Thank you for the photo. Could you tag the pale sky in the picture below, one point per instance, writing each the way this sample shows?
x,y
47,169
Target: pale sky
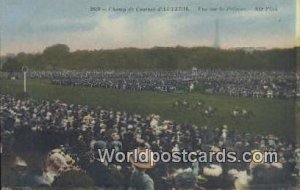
x,y
32,25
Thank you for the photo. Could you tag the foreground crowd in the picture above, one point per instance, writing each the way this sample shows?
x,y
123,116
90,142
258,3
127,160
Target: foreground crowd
x,y
46,143
234,83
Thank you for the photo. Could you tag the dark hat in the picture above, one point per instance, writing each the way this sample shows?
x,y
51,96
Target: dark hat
x,y
99,145
185,180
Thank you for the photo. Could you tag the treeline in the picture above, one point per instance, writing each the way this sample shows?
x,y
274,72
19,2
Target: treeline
x,y
158,58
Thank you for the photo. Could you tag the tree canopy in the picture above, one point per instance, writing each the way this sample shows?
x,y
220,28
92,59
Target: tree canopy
x,y
157,58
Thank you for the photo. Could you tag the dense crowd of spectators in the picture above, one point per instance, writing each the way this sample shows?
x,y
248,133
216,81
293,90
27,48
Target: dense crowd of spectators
x,y
234,83
46,140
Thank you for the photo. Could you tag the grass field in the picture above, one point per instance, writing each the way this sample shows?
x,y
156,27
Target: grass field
x,y
275,116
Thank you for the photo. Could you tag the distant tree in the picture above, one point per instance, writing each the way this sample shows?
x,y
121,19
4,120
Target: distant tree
x,y
4,58
157,58
56,56
11,65
56,50
298,59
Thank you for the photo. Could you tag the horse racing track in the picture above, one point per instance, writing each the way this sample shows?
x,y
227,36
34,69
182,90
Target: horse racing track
x,y
244,114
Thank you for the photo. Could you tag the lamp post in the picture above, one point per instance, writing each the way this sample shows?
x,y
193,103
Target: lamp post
x,y
24,69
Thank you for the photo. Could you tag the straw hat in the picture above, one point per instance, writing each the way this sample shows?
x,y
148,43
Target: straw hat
x,y
20,162
141,158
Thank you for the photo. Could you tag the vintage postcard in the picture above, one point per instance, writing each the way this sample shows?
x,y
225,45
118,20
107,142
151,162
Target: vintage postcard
x,y
144,95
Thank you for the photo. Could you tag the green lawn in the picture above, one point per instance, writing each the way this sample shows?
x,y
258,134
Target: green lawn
x,y
275,116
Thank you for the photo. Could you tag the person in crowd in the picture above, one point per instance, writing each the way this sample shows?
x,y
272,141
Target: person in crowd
x,y
100,171
71,136
139,178
270,84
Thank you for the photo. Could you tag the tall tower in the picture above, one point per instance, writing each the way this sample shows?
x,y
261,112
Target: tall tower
x,y
217,37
